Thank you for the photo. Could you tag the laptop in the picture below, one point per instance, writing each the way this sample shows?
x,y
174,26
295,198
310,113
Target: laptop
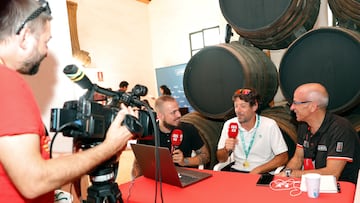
x,y
170,174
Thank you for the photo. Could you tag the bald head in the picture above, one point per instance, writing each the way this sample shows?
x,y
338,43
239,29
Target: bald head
x,y
314,92
162,100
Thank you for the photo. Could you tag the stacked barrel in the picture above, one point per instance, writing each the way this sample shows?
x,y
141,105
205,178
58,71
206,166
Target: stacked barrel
x,y
330,56
346,13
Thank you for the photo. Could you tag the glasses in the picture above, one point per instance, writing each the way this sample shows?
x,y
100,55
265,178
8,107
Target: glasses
x,y
299,102
243,91
44,8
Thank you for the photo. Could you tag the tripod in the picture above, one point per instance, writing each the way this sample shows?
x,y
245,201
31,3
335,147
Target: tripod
x,y
104,189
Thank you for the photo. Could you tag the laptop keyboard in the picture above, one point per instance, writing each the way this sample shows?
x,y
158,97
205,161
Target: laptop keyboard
x,y
185,178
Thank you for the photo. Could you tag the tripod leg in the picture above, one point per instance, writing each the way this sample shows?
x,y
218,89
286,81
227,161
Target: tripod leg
x,y
108,193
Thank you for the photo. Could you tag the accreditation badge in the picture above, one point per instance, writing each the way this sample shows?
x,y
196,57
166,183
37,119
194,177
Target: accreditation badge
x,y
339,146
306,144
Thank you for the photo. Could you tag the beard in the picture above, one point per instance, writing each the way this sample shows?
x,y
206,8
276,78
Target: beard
x,y
243,118
169,126
32,65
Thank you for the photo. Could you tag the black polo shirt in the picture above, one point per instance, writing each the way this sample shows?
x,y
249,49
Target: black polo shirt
x,y
336,139
191,139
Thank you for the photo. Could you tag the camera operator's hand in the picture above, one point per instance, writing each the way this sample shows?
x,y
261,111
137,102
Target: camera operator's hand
x,y
117,134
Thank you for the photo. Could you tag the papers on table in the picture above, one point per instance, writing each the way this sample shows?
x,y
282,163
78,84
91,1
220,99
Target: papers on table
x,y
327,184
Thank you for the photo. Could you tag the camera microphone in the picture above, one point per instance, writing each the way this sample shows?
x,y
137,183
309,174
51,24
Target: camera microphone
x,y
78,76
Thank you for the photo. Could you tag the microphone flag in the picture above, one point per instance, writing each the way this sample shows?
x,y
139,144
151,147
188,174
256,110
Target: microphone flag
x,y
176,139
233,130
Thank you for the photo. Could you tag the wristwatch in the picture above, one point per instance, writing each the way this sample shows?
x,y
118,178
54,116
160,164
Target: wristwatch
x,y
287,172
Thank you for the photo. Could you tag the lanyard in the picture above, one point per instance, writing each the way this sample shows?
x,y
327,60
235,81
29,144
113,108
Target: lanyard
x,y
247,150
307,138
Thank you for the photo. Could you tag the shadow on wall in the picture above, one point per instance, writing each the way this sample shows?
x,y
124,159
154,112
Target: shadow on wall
x,y
42,84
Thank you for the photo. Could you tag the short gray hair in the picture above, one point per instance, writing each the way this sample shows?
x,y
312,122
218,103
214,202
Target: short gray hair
x,y
319,94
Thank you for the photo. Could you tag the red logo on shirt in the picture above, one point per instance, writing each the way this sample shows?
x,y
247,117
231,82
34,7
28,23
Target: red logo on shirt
x,y
45,149
339,146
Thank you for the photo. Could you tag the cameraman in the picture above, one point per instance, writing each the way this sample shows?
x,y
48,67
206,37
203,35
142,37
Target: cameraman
x,y
168,114
26,172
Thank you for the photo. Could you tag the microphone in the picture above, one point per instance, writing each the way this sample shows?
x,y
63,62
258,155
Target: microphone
x,y
176,139
233,130
78,76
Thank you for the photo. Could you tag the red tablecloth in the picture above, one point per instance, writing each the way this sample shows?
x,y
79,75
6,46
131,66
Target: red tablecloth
x,y
225,187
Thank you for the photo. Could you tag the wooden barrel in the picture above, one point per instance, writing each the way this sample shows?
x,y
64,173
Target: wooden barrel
x,y
329,56
346,13
214,73
270,24
287,124
209,130
355,121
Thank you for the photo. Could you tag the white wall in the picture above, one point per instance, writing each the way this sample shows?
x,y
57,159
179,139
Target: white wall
x,y
117,35
172,21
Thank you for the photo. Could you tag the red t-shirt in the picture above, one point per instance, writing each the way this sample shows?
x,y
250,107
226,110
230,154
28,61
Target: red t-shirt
x,y
19,114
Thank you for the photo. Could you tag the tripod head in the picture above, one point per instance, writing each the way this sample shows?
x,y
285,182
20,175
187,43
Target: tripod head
x,y
105,172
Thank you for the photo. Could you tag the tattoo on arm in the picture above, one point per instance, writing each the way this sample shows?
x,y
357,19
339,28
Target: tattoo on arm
x,y
202,156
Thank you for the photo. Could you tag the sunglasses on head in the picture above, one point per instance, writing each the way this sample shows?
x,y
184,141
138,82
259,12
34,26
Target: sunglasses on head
x,y
43,8
243,91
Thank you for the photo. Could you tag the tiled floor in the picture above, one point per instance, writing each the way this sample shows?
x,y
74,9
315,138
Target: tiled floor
x,y
125,165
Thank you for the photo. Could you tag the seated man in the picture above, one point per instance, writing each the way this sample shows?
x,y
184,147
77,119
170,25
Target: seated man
x,y
256,141
168,115
327,143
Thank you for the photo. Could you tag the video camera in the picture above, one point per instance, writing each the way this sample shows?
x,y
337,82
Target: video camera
x,y
88,121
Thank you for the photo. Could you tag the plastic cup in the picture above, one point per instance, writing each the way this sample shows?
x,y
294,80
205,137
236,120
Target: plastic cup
x,y
308,164
313,184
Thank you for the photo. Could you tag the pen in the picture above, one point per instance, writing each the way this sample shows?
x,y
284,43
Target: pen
x,y
338,188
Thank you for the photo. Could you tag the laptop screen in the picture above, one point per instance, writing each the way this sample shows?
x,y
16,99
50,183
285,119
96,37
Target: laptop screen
x,y
146,158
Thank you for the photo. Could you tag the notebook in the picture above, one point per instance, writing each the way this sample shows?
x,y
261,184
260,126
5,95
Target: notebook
x,y
327,184
170,174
